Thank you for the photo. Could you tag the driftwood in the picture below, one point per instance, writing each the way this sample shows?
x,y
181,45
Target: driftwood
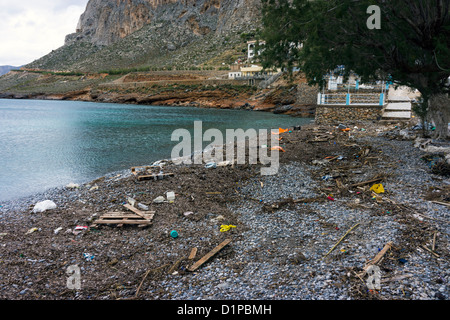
x,y
193,254
360,184
334,247
146,275
397,278
434,241
377,258
442,203
430,251
176,265
209,255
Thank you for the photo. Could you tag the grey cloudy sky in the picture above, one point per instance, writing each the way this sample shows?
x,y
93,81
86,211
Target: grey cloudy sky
x,y
29,29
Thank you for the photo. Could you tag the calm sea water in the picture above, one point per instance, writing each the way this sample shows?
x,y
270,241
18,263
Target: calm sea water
x,y
47,144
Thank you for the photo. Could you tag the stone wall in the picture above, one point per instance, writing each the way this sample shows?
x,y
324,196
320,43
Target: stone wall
x,y
334,114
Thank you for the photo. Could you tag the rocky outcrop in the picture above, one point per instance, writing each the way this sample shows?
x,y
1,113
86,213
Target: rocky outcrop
x,y
124,34
105,22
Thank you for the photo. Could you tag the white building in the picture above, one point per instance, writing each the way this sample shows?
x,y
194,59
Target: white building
x,y
251,48
234,74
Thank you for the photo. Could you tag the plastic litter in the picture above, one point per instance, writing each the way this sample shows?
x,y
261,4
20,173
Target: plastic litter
x,y
174,234
72,186
32,230
159,199
188,213
56,231
225,228
377,188
131,201
211,165
88,256
217,219
171,196
44,206
79,229
143,207
277,148
224,163
280,130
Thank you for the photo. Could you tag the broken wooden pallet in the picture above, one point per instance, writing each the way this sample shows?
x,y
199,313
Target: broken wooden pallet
x,y
134,170
148,174
121,218
136,217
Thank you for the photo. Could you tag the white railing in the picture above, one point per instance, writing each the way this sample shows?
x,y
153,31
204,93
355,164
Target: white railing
x,y
347,99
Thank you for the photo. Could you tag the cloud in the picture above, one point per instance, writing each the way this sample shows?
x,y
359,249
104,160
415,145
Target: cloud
x,y
31,29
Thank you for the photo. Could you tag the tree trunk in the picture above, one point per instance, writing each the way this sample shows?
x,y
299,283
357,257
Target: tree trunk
x,y
439,110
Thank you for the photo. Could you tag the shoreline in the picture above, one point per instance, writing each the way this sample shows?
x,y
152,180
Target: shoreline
x,y
8,203
285,225
283,97
240,105
15,203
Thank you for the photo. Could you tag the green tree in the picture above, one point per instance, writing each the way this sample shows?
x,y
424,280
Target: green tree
x,y
410,47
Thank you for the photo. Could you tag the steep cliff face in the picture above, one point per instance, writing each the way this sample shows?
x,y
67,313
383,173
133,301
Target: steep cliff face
x,y
123,34
104,22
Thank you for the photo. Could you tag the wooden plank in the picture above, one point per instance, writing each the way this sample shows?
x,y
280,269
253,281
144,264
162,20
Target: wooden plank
x,y
193,254
134,218
122,215
209,255
139,222
135,210
154,176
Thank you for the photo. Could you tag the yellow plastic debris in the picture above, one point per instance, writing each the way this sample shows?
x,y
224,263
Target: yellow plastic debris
x,y
225,228
377,188
32,230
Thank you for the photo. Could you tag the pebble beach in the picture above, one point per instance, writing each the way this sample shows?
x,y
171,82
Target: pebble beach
x,y
306,233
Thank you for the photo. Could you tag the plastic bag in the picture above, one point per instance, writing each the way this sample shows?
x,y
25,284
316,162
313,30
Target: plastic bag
x,y
44,206
377,188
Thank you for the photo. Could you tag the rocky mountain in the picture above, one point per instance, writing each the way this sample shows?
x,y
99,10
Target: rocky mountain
x,y
132,33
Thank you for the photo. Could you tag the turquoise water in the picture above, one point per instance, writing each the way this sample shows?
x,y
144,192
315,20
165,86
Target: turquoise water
x,y
47,144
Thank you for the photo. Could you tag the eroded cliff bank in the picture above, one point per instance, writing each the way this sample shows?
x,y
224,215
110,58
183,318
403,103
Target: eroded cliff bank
x,y
171,88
